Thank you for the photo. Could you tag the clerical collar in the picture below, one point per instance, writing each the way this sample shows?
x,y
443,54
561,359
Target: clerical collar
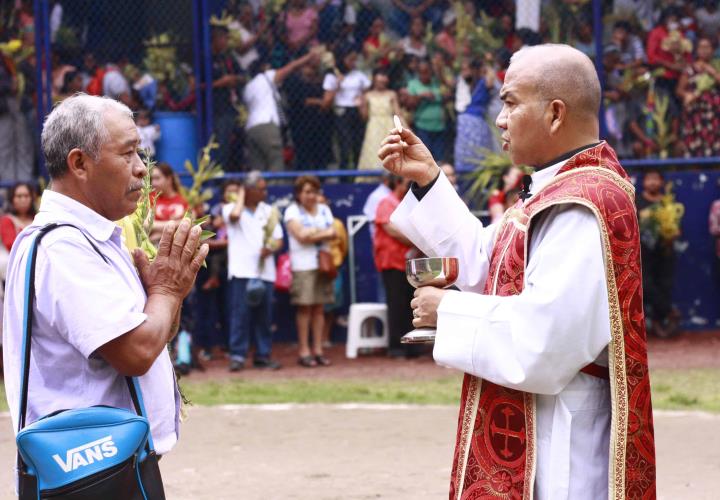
x,y
545,172
542,178
566,156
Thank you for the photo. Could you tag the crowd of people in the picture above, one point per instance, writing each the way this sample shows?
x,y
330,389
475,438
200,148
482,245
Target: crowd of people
x,y
258,253
313,84
230,313
662,92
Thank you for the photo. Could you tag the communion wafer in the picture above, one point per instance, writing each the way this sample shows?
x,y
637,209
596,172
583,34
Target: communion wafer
x,y
398,123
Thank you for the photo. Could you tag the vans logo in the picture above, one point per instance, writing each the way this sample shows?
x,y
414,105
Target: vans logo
x,y
87,454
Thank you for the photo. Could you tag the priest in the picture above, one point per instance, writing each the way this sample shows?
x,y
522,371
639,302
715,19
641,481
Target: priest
x,y
548,326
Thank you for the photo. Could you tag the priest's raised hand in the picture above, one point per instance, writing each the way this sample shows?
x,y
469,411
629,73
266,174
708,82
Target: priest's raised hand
x,y
404,154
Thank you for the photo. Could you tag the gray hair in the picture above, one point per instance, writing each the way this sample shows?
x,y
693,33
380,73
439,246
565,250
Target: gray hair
x,y
77,122
253,178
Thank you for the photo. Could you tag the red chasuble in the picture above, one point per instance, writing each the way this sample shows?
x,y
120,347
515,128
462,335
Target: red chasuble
x,y
495,451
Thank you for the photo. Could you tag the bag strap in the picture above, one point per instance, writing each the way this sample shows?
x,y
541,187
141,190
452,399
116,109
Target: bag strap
x,y
132,382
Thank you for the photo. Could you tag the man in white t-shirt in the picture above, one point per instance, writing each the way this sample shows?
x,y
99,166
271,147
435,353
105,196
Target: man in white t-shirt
x,y
254,234
263,139
246,52
374,199
115,85
370,210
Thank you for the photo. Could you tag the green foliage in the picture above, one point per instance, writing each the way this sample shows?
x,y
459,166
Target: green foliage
x,y
161,61
207,169
486,177
67,38
275,6
477,37
703,83
632,81
143,217
160,57
562,18
661,221
197,194
553,19
659,113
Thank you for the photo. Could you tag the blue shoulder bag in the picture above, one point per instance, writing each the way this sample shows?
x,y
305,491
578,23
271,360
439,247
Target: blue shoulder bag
x,y
99,452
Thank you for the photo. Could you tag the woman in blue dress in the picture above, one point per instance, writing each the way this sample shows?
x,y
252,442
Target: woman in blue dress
x,y
473,130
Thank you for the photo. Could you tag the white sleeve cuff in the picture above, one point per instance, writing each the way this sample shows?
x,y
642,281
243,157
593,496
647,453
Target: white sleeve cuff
x,y
457,330
433,220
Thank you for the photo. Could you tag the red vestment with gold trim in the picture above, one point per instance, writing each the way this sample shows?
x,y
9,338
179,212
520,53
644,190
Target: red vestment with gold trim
x,y
495,450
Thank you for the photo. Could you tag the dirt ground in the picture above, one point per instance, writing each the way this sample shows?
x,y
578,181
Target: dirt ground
x,y
353,452
325,452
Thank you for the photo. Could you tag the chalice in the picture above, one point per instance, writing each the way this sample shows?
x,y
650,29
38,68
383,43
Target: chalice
x,y
440,272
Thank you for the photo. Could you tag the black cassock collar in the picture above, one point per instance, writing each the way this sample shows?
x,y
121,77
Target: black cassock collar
x,y
527,179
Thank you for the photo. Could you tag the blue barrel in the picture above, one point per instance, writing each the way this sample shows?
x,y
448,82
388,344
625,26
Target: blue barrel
x,y
178,139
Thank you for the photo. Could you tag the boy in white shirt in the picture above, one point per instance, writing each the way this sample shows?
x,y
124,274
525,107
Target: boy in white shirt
x,y
149,132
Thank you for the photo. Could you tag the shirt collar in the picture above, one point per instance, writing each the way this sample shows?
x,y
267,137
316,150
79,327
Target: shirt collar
x,y
544,173
566,156
541,178
57,207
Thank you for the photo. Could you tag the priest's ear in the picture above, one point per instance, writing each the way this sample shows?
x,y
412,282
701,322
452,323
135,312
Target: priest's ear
x,y
558,115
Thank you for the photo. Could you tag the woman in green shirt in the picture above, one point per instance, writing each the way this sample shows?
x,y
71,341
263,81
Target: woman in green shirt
x,y
424,96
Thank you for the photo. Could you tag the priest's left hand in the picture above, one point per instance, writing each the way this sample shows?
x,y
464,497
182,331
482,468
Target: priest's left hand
x,y
425,305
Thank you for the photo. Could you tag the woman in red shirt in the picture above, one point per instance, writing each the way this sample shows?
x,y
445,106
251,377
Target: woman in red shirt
x,y
391,250
20,214
169,203
498,201
376,48
669,57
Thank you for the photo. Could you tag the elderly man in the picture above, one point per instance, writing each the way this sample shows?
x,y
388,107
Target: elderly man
x,y
549,325
97,317
254,234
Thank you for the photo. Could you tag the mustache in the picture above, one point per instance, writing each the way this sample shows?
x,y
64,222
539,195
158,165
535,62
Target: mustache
x,y
135,187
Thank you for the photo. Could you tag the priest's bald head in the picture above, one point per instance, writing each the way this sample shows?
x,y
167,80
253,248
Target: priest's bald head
x,y
551,97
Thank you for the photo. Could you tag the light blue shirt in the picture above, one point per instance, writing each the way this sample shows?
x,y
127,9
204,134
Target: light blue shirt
x,y
81,303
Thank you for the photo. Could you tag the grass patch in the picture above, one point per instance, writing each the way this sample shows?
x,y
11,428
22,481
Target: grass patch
x,y
696,389
442,391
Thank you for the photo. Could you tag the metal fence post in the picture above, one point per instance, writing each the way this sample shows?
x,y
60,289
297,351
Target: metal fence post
x,y
198,71
207,66
48,54
598,32
43,83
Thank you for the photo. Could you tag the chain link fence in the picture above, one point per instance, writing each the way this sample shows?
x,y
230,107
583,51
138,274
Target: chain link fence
x,y
296,85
